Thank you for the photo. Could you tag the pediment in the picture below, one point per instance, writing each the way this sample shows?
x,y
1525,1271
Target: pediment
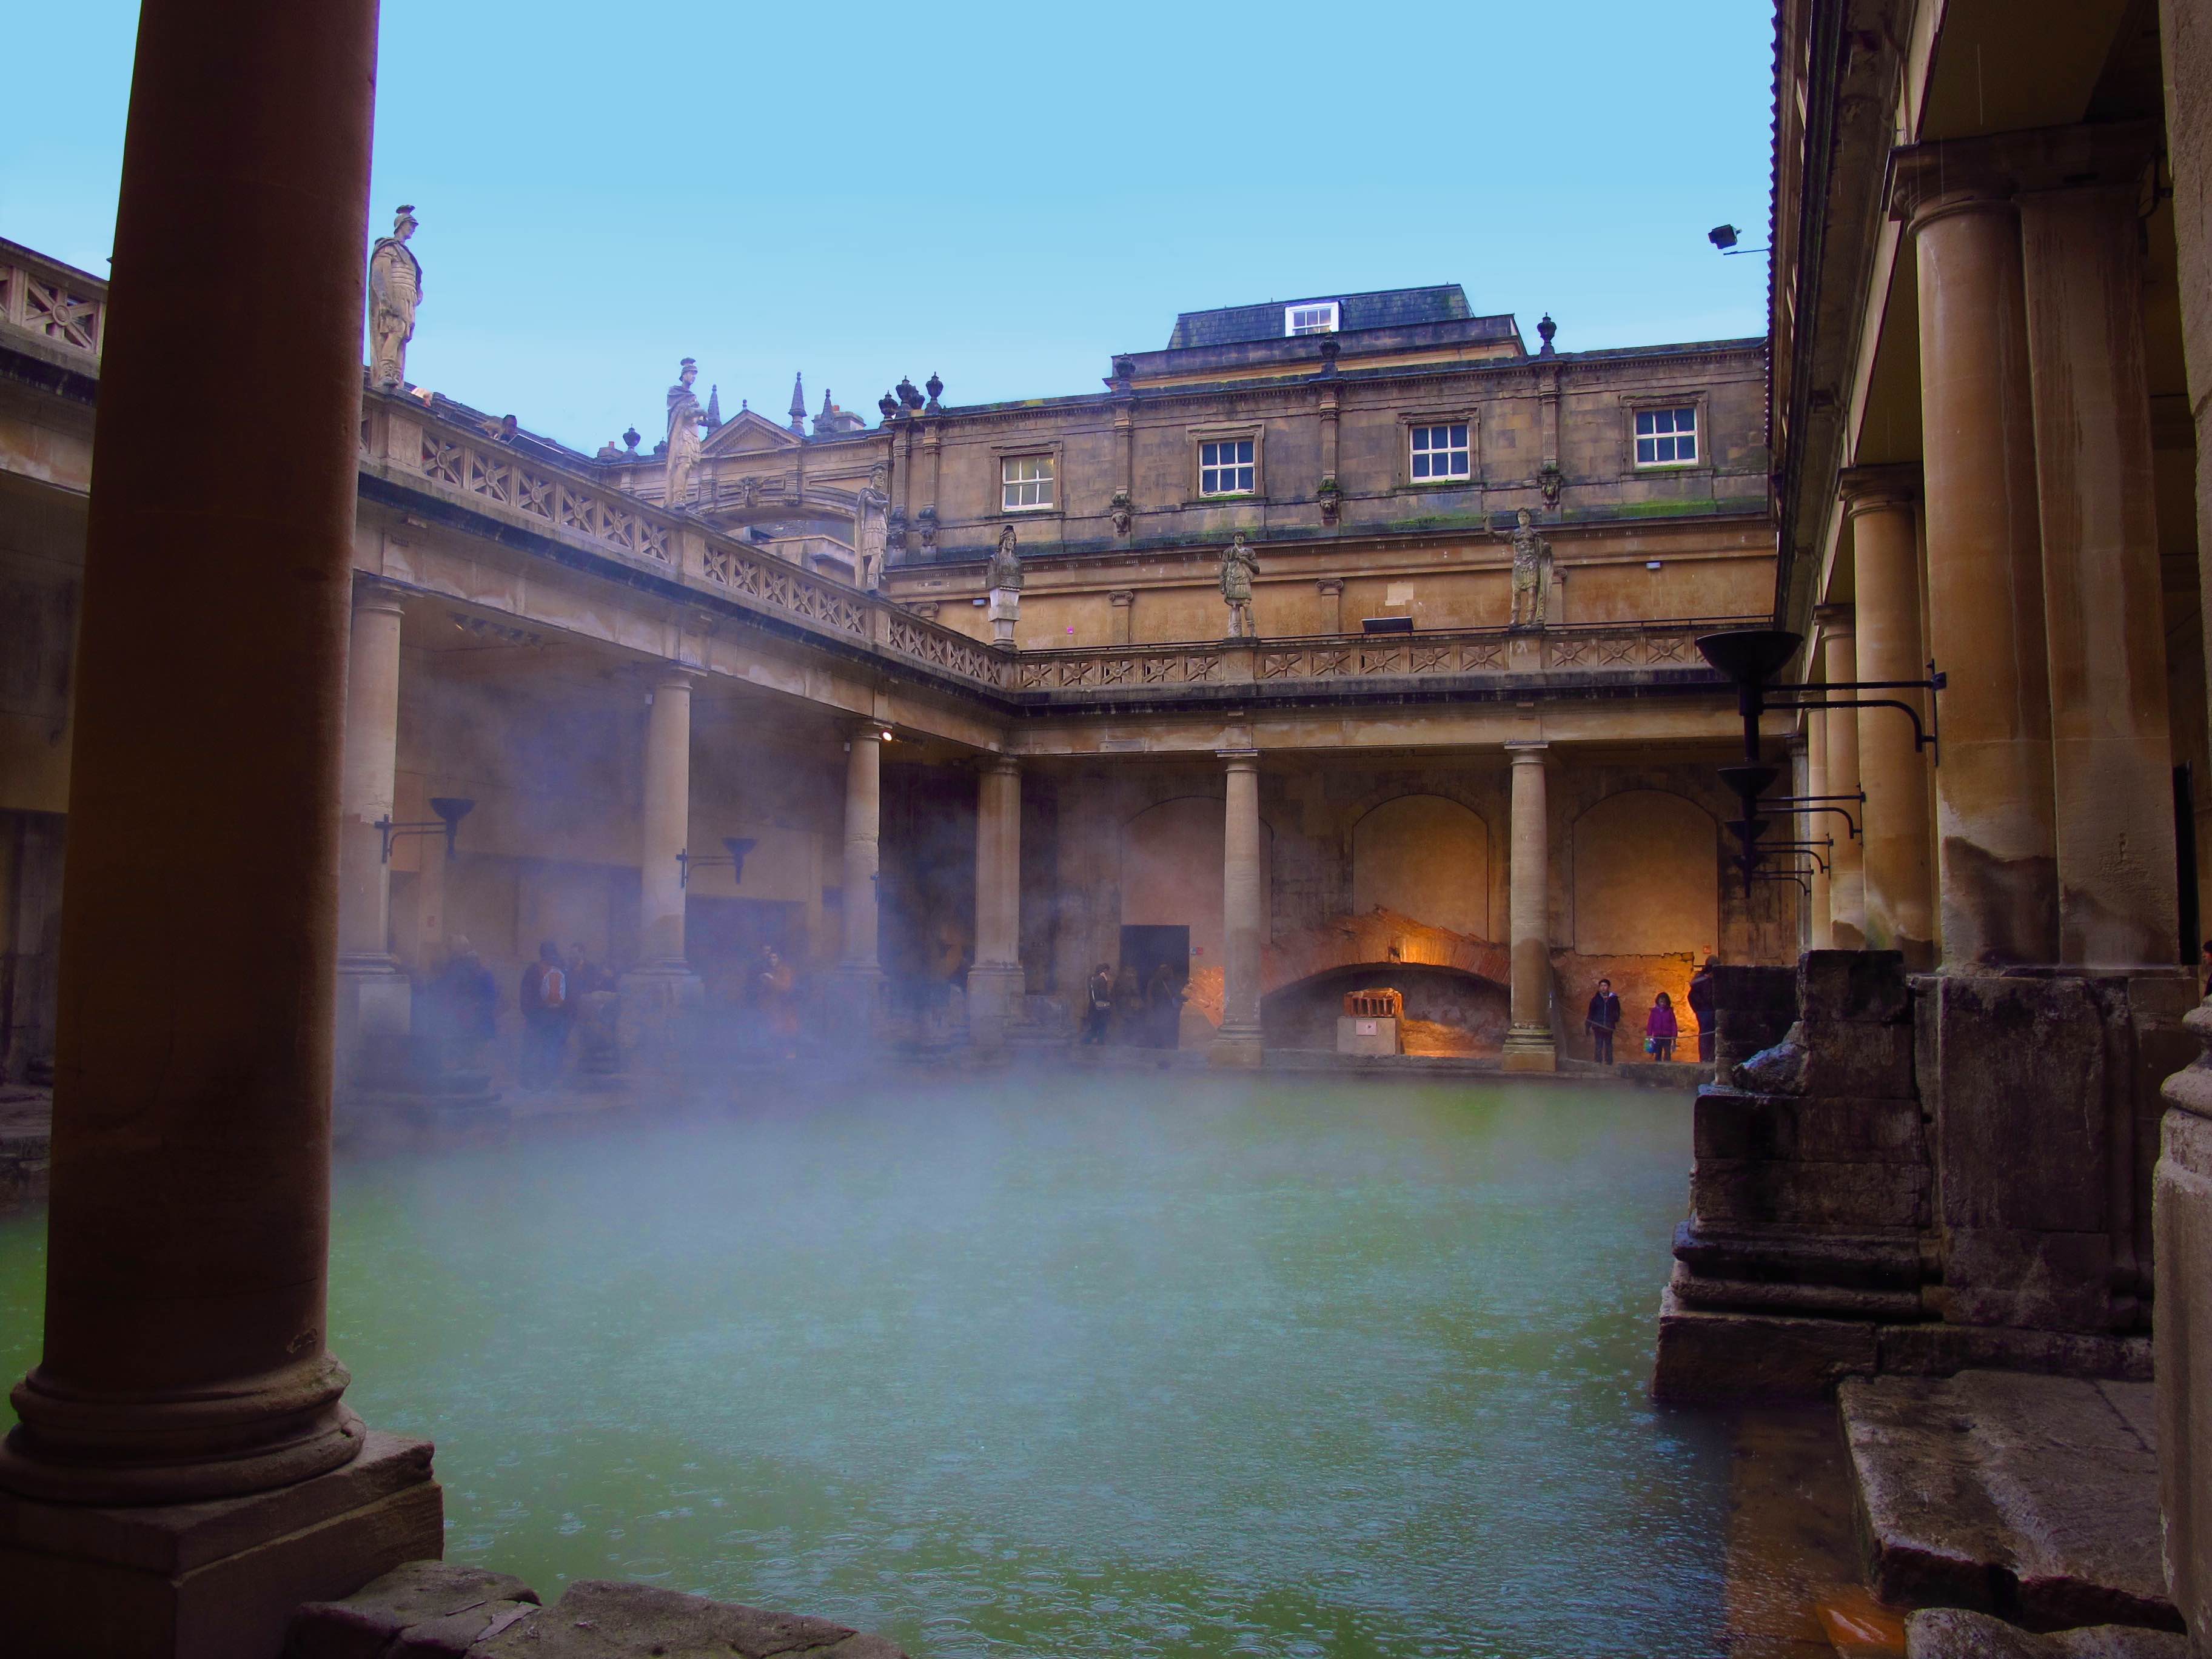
x,y
747,433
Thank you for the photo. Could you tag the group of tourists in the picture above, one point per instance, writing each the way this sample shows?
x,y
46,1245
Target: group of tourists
x,y
1140,1012
1662,1026
552,990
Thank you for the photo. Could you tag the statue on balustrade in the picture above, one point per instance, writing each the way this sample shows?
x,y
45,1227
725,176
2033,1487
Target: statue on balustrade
x,y
686,421
1004,575
871,530
395,288
1240,565
1531,573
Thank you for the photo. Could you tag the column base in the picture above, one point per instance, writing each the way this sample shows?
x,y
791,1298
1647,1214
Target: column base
x,y
659,1004
217,1580
1530,1049
1237,1046
994,998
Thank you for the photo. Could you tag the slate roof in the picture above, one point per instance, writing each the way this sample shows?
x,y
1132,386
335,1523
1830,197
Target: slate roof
x,y
1389,307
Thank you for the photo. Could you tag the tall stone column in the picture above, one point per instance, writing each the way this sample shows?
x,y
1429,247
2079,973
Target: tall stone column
x,y
864,751
184,1372
1846,882
2112,753
1996,852
1822,929
662,991
1530,1045
995,982
2182,1206
1899,876
372,995
1244,915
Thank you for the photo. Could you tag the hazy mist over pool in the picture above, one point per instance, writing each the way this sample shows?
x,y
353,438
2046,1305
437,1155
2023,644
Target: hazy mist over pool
x,y
1125,1364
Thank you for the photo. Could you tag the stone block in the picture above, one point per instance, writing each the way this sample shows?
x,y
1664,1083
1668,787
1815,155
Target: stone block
x,y
1956,1633
1747,989
1856,987
1850,1057
1890,1263
1791,1298
2182,1208
1711,1356
1847,1197
2034,1497
1735,1124
218,1580
1941,1350
2044,1280
598,1619
419,1610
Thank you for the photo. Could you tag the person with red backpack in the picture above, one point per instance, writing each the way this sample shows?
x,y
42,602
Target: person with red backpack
x,y
545,1010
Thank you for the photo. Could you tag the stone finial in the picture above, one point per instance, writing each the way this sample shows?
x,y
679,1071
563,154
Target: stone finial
x,y
798,404
713,407
935,386
890,405
909,394
1545,330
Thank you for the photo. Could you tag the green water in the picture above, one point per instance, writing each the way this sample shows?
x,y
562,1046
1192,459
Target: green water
x,y
1124,1365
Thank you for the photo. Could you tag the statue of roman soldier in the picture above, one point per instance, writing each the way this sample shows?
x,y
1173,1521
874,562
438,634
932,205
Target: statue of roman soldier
x,y
685,421
395,288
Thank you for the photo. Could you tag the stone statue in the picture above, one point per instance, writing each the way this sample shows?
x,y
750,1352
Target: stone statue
x,y
685,421
1004,579
1239,565
1006,572
395,288
875,502
1531,573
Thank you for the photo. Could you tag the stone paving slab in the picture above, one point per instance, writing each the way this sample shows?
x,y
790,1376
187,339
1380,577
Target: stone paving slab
x,y
1952,1633
2031,1497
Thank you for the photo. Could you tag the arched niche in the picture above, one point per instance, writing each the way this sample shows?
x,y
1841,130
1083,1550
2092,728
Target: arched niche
x,y
1425,857
1647,876
1171,871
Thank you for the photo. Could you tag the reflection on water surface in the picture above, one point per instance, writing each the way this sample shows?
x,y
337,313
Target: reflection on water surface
x,y
1064,1365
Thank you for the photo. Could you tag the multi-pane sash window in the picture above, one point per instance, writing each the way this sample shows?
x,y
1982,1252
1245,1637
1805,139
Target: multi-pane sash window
x,y
1025,483
1226,468
1440,451
1310,319
1666,437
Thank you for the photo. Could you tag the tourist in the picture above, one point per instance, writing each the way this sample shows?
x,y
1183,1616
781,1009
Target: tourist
x,y
1128,1005
1701,1006
1099,1004
774,988
546,1006
585,975
1162,1007
1603,1019
1660,1030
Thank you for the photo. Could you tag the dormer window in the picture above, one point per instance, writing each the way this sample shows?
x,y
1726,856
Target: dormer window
x,y
1317,317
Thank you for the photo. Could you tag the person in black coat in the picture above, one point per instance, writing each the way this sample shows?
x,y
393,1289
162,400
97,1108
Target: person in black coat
x,y
1603,1016
1701,1006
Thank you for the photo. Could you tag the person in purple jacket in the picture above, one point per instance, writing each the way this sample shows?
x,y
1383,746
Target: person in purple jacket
x,y
1660,1030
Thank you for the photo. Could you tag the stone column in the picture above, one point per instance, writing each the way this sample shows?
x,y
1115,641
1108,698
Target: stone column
x,y
1529,1043
1846,883
1822,928
1244,915
2112,753
1900,883
661,992
1331,589
995,983
184,1372
1123,599
1996,852
2182,1206
864,749
372,995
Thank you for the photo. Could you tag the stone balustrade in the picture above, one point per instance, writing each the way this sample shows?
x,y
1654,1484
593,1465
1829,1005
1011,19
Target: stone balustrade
x,y
51,302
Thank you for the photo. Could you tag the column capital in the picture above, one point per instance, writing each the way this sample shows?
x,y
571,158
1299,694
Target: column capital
x,y
1004,766
1239,760
1952,175
1833,618
375,593
866,732
672,676
1330,586
1874,489
1122,597
1528,751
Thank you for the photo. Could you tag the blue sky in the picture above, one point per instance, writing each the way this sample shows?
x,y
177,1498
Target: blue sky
x,y
1005,195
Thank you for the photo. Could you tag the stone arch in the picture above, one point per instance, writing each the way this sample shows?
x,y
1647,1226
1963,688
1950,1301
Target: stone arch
x,y
1171,855
1425,856
1449,1010
1646,876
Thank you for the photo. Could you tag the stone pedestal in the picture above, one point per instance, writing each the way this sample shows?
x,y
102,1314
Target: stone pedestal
x,y
215,1580
995,983
1529,1043
1243,915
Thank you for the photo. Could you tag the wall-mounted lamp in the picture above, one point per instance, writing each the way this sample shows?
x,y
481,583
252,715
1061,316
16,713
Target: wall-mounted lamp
x,y
450,809
738,846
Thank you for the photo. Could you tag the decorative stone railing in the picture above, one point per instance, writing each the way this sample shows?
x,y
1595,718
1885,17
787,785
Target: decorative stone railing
x,y
426,446
51,302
